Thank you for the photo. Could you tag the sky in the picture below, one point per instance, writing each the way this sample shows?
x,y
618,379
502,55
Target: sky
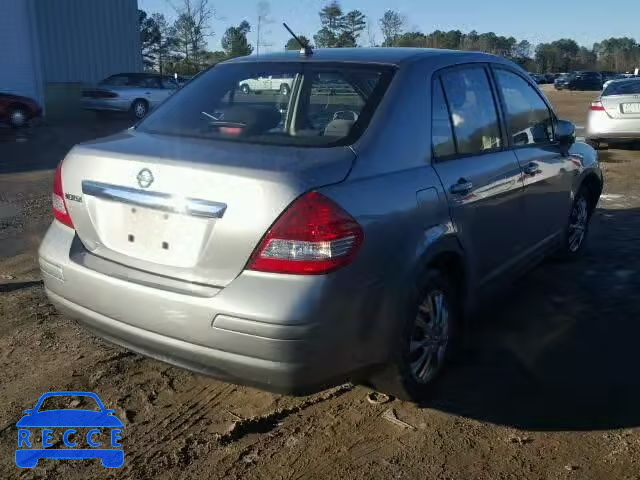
x,y
539,21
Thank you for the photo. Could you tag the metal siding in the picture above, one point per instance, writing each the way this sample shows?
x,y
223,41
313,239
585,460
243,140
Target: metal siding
x,y
17,51
87,40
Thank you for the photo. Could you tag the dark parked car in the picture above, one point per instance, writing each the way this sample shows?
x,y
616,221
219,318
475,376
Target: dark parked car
x,y
17,110
579,81
538,78
294,248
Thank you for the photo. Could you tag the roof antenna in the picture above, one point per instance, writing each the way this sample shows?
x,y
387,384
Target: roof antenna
x,y
305,48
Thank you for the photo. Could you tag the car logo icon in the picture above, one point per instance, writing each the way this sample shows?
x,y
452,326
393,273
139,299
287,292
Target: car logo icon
x,y
38,428
145,178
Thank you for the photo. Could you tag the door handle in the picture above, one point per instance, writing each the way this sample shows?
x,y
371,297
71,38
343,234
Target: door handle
x,y
462,187
532,168
147,93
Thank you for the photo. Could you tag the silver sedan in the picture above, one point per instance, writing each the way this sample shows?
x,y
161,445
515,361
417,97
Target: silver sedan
x,y
134,92
297,241
615,116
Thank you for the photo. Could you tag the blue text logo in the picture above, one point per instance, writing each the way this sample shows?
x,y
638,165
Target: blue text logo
x,y
85,430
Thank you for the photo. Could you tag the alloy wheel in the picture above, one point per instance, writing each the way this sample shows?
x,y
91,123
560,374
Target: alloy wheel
x,y
140,110
18,118
429,338
578,222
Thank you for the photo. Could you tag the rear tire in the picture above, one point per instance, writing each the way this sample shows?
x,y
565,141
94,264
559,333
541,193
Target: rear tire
x,y
245,89
18,117
575,237
139,108
425,342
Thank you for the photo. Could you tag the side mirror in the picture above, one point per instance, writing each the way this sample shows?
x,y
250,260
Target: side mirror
x,y
29,411
109,411
565,133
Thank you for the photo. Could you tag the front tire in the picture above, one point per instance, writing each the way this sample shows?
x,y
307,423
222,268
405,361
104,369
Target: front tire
x,y
426,340
578,225
245,89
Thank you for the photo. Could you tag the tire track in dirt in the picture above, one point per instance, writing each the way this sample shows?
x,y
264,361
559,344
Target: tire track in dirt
x,y
156,435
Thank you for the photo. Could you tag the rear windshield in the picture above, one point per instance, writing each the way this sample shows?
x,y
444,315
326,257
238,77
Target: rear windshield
x,y
623,88
302,104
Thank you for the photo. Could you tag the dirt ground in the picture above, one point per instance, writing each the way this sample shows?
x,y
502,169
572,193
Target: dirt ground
x,y
548,390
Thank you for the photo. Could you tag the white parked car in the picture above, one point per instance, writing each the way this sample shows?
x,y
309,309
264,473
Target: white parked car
x,y
272,83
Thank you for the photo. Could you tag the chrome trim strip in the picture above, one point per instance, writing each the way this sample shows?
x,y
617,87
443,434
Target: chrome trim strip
x,y
154,200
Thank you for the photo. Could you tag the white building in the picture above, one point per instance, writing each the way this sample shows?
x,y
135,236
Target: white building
x,y
46,43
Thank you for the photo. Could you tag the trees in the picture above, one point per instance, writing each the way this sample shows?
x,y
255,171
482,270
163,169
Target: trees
x,y
411,39
182,46
338,29
192,28
618,54
391,25
235,43
293,44
149,38
331,21
353,24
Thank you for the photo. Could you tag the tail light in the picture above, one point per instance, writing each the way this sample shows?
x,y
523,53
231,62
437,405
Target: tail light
x,y
596,106
57,199
313,236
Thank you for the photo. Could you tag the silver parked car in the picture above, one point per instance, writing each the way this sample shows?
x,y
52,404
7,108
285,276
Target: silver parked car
x,y
293,242
134,92
615,116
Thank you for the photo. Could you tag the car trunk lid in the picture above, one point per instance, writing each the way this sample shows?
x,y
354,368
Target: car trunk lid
x,y
622,106
190,209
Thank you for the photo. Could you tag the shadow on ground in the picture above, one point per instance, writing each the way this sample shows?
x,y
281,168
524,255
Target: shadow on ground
x,y
15,286
559,351
42,146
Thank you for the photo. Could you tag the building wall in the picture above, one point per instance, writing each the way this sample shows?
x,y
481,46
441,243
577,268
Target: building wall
x,y
19,66
84,41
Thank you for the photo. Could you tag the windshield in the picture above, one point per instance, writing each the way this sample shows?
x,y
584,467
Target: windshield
x,y
303,104
76,402
623,88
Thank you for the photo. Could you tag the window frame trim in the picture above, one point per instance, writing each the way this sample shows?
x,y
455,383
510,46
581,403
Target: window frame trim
x,y
437,76
503,106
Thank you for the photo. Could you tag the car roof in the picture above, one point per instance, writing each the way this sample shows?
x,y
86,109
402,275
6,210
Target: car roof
x,y
625,80
391,56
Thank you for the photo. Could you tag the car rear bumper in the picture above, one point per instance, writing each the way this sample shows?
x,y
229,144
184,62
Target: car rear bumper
x,y
600,126
277,332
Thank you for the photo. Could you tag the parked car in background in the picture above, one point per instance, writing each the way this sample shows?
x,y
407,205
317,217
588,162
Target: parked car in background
x,y
17,110
579,81
296,248
267,83
611,78
129,92
615,116
582,81
538,78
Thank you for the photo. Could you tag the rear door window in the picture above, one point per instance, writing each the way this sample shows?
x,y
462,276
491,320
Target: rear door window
x,y
528,117
473,110
116,81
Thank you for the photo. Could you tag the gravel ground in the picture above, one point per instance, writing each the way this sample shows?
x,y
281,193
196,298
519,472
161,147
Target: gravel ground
x,y
549,388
